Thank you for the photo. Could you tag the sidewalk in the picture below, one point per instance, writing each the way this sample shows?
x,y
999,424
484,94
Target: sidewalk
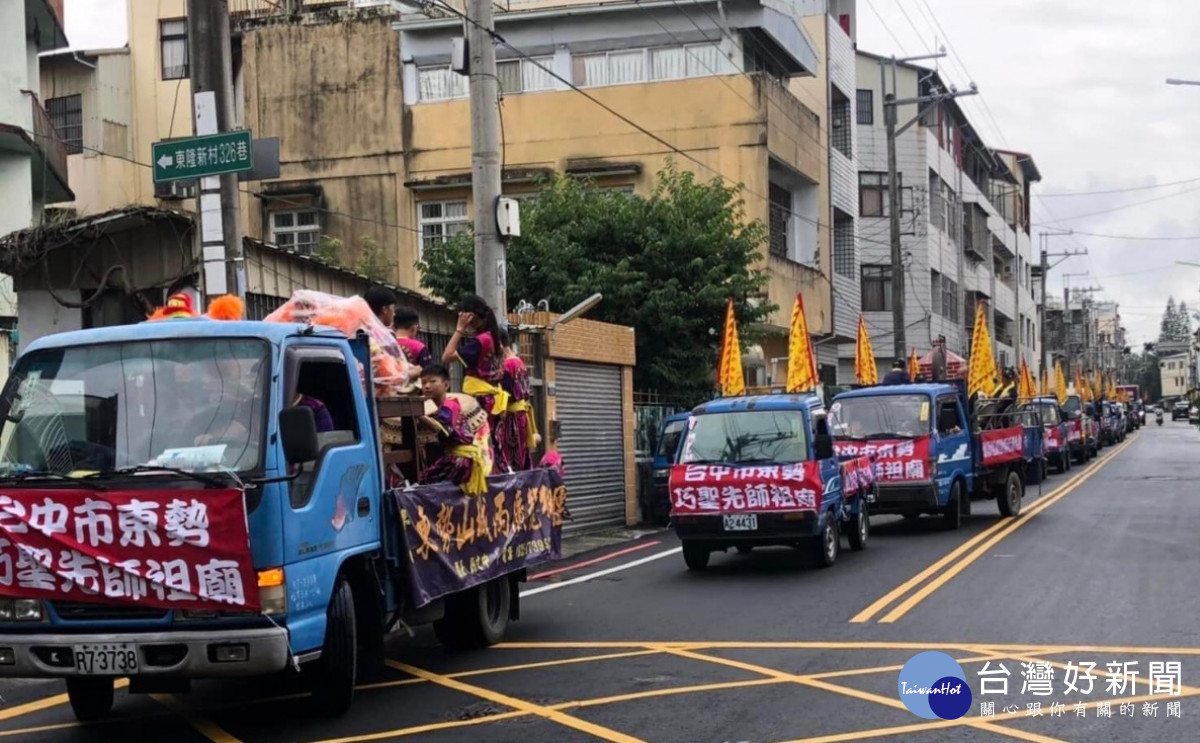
x,y
575,545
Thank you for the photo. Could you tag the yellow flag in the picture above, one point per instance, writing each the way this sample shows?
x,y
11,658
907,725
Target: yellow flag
x,y
1098,387
1060,384
730,380
1047,388
982,375
1081,386
802,361
914,366
864,356
1026,389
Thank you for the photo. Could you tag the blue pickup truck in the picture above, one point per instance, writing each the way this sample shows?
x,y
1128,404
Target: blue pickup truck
x,y
760,470
932,455
339,559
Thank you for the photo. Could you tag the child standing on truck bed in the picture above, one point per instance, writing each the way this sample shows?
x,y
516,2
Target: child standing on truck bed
x,y
516,433
462,453
475,345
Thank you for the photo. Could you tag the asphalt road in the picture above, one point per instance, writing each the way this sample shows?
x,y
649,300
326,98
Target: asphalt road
x,y
627,645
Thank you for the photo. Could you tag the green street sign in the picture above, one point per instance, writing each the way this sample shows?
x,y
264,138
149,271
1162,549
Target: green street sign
x,y
187,159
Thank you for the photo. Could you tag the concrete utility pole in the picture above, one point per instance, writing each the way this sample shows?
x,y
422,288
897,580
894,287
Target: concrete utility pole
x,y
490,262
1045,266
211,66
890,107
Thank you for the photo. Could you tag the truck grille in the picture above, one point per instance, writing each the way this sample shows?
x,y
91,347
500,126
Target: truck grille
x,y
72,611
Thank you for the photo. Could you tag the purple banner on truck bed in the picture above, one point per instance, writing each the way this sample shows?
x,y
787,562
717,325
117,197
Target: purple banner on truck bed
x,y
456,541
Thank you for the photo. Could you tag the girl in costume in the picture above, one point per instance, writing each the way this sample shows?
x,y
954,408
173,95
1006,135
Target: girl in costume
x,y
417,354
516,433
475,346
462,452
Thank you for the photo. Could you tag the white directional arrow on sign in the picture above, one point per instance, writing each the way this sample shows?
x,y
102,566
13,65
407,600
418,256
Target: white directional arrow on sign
x,y
166,161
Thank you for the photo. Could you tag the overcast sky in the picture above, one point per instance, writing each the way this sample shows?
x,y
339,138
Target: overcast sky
x,y
1079,84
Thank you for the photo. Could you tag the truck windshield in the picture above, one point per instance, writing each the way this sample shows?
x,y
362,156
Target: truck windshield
x,y
1073,405
880,417
669,443
775,436
1047,412
194,404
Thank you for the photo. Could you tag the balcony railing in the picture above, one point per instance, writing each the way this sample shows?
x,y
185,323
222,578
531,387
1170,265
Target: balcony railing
x,y
264,8
46,139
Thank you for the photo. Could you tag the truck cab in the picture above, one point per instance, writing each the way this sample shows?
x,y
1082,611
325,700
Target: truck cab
x,y
1083,439
184,408
1056,432
666,447
761,470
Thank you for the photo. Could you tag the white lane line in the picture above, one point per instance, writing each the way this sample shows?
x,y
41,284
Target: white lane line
x,y
602,573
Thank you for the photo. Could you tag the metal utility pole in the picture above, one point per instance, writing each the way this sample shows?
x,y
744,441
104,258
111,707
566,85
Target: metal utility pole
x,y
890,116
1045,271
211,66
490,265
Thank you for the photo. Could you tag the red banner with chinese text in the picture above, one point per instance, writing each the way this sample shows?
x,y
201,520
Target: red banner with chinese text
x,y
1052,439
858,474
1003,445
710,488
895,460
175,549
1075,430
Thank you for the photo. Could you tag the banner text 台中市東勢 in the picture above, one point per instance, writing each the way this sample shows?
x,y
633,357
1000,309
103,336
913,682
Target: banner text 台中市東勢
x,y
167,549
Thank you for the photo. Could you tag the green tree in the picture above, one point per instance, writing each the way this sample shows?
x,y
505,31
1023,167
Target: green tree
x,y
665,263
372,261
329,249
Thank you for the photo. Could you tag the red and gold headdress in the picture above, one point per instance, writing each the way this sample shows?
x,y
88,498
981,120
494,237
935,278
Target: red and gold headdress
x,y
179,306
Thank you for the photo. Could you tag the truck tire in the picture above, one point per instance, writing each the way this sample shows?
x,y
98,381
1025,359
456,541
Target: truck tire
x,y
333,675
952,513
477,617
862,529
745,549
825,550
91,698
1010,500
695,555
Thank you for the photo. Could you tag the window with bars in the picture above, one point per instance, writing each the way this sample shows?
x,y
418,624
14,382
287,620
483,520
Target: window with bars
x,y
780,212
525,75
843,245
298,230
876,288
441,220
866,106
949,301
937,202
935,292
66,114
873,193
841,134
173,49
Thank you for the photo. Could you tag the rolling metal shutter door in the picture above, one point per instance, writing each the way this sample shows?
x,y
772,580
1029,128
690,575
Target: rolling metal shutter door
x,y
591,443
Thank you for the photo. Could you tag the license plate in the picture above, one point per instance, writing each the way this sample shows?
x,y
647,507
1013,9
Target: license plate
x,y
106,658
741,522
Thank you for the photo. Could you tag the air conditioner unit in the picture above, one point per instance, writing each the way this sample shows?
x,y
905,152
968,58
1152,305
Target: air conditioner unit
x,y
174,190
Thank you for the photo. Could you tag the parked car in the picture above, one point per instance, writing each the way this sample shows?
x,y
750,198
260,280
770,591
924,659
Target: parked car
x,y
1179,411
665,447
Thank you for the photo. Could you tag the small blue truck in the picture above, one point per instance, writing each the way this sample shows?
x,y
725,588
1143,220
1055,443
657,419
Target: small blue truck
x,y
932,455
760,470
666,446
337,556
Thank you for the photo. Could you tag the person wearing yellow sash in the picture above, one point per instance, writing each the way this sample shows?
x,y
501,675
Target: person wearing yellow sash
x,y
462,450
475,345
517,435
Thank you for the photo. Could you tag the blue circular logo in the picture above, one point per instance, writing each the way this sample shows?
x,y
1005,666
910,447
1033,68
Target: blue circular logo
x,y
933,686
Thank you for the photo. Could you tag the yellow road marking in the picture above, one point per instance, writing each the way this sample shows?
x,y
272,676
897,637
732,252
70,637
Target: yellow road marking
x,y
551,663
199,723
1011,525
561,718
431,727
1042,503
41,704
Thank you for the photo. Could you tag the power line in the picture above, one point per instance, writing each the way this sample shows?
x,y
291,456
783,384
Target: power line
x,y
1124,206
887,28
1116,190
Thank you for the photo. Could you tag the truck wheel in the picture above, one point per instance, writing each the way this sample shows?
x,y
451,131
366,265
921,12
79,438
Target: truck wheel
x,y
1010,500
952,514
696,554
333,675
91,698
827,546
862,529
477,617
745,549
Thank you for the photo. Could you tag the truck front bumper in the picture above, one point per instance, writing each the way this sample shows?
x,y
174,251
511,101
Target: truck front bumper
x,y
907,498
773,529
189,654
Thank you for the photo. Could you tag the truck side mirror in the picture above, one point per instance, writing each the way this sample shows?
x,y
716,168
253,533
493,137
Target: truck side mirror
x,y
298,434
823,446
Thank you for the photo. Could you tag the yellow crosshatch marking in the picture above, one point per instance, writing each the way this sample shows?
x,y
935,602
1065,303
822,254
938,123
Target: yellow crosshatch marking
x,y
696,651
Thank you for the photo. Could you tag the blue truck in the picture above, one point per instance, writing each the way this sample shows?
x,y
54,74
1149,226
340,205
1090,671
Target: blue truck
x,y
332,548
760,470
932,453
666,446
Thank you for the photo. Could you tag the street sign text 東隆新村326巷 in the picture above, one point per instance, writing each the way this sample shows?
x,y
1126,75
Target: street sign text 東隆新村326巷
x,y
196,157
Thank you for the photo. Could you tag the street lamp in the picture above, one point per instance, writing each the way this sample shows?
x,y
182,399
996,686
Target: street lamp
x,y
1177,81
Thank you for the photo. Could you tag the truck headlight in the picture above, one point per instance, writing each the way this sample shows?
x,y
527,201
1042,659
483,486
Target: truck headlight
x,y
21,610
272,591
